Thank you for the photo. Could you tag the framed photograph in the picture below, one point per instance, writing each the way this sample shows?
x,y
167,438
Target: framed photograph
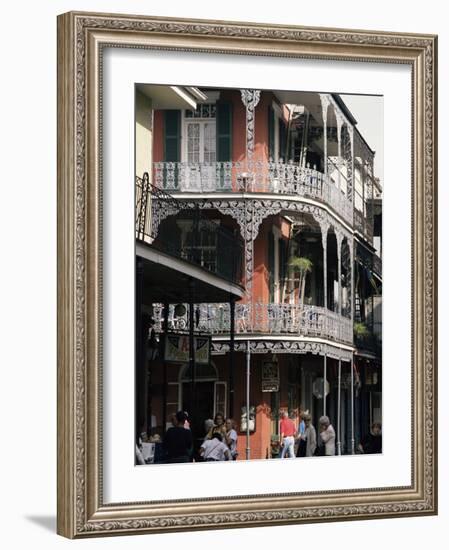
x,y
246,222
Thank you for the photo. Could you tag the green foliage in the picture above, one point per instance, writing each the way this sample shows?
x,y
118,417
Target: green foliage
x,y
361,330
300,264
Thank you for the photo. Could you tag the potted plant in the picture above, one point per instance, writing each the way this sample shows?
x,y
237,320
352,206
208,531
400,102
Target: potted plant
x,y
300,266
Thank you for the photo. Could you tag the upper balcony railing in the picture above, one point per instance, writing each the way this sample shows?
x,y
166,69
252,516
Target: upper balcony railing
x,y
224,254
363,224
377,264
260,318
285,178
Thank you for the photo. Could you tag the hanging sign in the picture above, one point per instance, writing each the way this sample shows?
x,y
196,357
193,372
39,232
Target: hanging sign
x,y
177,349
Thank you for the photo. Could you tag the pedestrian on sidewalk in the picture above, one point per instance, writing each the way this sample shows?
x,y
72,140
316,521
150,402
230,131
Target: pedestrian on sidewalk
x,y
326,437
214,450
287,432
218,427
178,442
231,438
307,440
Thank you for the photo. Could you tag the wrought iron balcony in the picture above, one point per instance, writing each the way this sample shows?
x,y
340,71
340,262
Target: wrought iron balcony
x,y
224,254
363,224
260,318
285,178
377,264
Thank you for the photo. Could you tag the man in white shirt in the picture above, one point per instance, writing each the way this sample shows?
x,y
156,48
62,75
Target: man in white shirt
x,y
214,449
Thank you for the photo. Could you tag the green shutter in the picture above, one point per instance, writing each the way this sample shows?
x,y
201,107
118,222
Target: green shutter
x,y
172,128
224,131
282,140
172,141
271,132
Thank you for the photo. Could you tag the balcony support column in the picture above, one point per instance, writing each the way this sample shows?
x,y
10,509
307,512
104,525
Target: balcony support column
x,y
350,191
324,382
339,410
248,396
339,130
352,406
231,355
351,259
352,297
164,367
250,99
324,226
324,105
192,359
339,237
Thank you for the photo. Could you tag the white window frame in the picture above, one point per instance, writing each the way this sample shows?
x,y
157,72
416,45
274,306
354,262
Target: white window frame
x,y
199,381
184,137
222,383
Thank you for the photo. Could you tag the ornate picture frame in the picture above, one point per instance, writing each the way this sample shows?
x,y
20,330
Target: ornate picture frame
x,y
82,38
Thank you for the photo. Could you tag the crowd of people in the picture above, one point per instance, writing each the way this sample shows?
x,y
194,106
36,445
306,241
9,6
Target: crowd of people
x,y
220,440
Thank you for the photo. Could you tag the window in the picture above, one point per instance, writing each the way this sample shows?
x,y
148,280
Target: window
x,y
200,131
200,246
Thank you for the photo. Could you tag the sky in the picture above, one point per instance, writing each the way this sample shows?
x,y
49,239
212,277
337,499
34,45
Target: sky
x,y
368,111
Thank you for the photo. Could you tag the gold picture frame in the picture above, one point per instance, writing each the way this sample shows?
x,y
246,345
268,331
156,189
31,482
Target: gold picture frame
x,y
81,39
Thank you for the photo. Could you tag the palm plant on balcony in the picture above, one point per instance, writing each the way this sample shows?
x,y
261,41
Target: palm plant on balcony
x,y
361,331
300,266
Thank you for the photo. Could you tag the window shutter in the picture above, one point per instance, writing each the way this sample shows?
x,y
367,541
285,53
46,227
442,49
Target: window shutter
x,y
172,127
271,132
224,131
172,146
282,140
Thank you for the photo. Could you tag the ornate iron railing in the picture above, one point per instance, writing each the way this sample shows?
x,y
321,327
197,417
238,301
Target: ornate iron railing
x,y
363,224
260,318
285,178
223,254
377,264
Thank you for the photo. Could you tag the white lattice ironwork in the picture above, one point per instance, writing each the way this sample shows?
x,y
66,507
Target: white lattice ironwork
x,y
250,99
284,346
283,178
260,318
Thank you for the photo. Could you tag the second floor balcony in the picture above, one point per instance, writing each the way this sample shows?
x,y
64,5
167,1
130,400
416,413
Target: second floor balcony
x,y
203,237
283,178
259,319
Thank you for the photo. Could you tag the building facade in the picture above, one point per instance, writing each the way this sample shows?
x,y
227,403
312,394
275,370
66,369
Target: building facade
x,y
290,177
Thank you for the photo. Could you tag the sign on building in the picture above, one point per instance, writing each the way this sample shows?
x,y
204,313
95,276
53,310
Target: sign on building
x,y
270,376
177,349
